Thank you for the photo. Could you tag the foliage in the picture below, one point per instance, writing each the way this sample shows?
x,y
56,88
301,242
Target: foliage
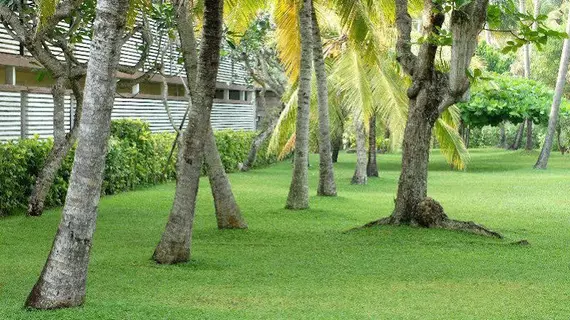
x,y
495,61
136,158
506,98
505,15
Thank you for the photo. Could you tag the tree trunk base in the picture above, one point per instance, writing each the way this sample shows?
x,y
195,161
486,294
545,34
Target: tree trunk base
x,y
171,253
430,214
233,221
359,179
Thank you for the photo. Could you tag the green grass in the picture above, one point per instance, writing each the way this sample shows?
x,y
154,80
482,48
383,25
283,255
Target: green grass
x,y
300,265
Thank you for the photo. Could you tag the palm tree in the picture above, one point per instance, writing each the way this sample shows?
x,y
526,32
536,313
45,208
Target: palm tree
x,y
360,32
542,161
201,72
327,186
298,197
62,282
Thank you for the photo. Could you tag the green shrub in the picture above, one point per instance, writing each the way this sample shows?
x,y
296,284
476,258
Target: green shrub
x,y
136,157
495,61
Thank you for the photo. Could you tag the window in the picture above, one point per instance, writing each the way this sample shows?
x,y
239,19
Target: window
x,y
219,94
245,96
235,95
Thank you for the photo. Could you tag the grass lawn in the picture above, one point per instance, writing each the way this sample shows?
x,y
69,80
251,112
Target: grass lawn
x,y
300,265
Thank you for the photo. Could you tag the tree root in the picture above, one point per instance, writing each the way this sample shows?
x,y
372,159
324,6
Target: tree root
x,y
430,214
468,226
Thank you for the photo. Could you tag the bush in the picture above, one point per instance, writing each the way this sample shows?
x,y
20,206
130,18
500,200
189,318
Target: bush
x,y
136,158
506,99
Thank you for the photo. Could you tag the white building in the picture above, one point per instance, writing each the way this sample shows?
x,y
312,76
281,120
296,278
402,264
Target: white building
x,y
26,106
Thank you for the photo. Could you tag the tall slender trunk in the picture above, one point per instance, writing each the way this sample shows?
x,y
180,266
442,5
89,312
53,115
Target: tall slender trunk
x,y
62,143
298,197
561,146
518,138
526,64
372,166
359,176
529,145
62,282
336,147
327,186
502,136
175,243
542,161
228,214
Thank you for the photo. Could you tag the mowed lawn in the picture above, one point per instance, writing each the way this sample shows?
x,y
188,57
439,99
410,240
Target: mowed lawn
x,y
302,264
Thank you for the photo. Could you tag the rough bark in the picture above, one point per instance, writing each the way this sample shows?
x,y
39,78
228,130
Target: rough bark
x,y
518,138
542,161
62,282
327,186
175,243
412,187
298,197
430,94
228,213
360,176
372,165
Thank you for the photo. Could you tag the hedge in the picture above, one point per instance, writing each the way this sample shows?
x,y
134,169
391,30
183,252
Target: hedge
x,y
136,158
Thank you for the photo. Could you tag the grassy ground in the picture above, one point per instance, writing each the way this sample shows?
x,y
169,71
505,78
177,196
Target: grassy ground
x,y
300,265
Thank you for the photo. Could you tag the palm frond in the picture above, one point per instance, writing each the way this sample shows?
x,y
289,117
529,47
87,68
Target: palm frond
x,y
287,36
450,142
238,14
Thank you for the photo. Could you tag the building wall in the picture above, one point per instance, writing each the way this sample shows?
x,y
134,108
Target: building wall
x,y
27,108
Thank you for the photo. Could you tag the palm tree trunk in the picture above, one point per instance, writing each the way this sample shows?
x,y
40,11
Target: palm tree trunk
x,y
175,243
327,186
542,161
372,166
336,147
359,176
518,138
502,136
529,144
62,282
298,197
561,146
228,214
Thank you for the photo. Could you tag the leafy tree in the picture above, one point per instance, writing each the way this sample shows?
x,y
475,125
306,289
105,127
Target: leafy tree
x,y
506,99
52,47
434,90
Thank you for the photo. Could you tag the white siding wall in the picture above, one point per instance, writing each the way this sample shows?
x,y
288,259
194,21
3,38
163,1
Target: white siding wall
x,y
9,115
239,116
40,114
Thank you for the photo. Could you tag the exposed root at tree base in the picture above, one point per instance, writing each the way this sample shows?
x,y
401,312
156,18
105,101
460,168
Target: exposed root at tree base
x,y
430,214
